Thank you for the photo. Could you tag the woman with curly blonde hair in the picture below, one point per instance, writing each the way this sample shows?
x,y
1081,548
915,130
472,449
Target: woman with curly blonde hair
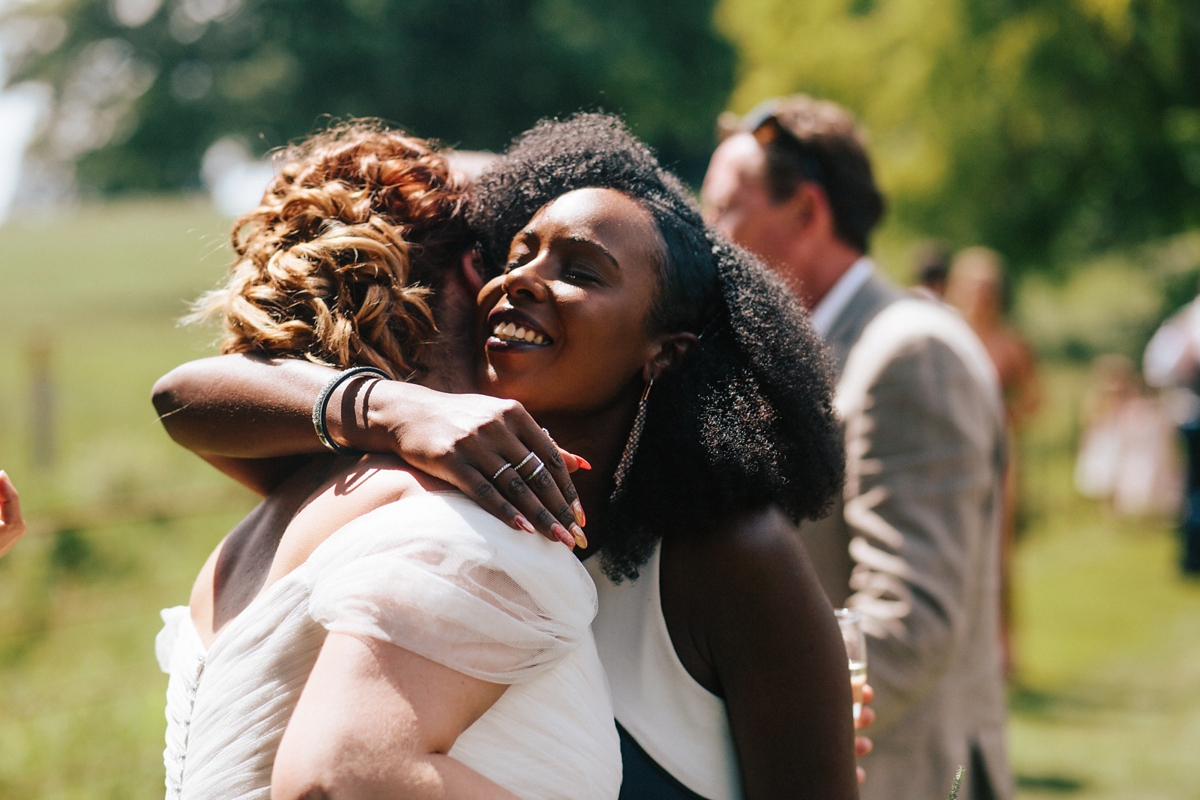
x,y
366,630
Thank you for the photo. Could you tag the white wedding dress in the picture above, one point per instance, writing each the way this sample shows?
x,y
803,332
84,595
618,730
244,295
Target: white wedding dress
x,y
434,574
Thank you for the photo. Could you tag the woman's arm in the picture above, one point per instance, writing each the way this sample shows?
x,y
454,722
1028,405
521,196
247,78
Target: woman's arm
x,y
750,621
376,721
250,417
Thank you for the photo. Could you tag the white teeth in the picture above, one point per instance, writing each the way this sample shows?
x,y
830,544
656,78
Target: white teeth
x,y
513,333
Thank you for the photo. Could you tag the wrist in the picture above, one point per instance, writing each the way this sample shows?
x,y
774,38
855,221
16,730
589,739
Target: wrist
x,y
377,427
345,414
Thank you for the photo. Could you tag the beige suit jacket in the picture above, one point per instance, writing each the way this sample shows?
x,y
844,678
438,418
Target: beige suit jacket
x,y
915,544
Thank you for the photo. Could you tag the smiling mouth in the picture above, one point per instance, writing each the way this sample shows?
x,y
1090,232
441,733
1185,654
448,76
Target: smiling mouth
x,y
511,333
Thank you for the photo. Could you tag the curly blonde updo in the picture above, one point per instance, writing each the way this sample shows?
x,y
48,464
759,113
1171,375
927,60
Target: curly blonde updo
x,y
337,263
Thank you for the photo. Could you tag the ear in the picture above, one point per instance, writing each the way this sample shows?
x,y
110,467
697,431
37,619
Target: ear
x,y
471,266
669,353
809,205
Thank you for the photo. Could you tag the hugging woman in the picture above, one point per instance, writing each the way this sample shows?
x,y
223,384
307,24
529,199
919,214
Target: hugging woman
x,y
657,352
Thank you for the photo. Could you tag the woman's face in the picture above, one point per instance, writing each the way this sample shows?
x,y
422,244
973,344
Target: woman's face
x,y
566,324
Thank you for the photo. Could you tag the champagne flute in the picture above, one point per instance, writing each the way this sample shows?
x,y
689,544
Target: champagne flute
x,y
856,648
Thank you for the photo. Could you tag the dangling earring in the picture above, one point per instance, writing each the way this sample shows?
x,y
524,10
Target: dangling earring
x,y
635,436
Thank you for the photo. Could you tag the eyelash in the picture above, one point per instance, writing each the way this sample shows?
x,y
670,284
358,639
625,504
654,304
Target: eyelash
x,y
579,275
568,271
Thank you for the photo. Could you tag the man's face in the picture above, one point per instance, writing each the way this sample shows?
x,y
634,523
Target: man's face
x,y
737,202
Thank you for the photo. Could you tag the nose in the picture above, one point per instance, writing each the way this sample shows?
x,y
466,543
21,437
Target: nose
x,y
526,281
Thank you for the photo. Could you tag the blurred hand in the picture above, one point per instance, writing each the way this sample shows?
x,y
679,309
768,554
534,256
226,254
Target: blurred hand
x,y
866,717
467,439
12,525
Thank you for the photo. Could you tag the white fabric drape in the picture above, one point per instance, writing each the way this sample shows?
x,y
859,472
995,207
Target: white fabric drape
x,y
434,574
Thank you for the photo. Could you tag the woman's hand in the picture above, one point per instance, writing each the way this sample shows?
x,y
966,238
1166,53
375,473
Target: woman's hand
x,y
467,440
863,745
12,525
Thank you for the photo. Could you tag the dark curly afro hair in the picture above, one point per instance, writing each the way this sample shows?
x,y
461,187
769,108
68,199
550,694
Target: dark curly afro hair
x,y
747,420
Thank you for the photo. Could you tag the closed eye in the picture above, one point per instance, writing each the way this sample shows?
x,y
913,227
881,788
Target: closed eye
x,y
580,273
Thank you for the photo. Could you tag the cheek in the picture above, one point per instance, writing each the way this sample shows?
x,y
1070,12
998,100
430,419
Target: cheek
x,y
606,337
604,349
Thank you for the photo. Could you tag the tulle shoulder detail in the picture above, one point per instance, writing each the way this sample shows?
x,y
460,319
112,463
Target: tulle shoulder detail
x,y
437,575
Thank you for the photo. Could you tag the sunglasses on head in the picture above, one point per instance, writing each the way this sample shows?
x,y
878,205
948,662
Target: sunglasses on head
x,y
766,129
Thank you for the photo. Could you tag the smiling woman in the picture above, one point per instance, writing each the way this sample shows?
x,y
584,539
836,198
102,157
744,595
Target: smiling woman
x,y
692,382
573,282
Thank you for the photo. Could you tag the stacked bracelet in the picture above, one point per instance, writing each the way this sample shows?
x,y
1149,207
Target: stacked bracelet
x,y
322,405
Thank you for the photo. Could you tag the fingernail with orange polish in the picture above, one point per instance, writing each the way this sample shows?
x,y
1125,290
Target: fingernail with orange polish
x,y
577,509
580,539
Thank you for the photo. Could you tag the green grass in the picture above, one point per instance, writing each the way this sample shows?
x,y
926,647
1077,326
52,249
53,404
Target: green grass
x,y
1108,701
122,519
1107,704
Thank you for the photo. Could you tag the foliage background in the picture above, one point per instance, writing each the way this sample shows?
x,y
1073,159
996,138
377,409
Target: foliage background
x,y
144,87
1043,128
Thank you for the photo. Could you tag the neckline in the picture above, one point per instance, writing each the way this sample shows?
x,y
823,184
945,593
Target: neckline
x,y
269,591
651,572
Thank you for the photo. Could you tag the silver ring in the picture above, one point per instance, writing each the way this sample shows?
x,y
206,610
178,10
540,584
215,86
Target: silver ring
x,y
529,477
525,460
497,475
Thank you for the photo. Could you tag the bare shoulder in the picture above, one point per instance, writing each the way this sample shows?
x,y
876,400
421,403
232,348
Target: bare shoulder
x,y
744,547
351,490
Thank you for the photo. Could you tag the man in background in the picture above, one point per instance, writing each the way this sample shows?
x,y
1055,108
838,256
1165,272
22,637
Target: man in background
x,y
915,545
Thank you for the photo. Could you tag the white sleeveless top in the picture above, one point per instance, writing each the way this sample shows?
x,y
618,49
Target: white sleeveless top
x,y
434,574
679,723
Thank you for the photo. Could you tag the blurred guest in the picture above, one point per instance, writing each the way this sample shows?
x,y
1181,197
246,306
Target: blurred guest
x,y
12,525
932,267
1172,360
976,287
1126,455
914,547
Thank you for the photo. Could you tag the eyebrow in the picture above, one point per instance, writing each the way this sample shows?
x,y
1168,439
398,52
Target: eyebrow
x,y
593,243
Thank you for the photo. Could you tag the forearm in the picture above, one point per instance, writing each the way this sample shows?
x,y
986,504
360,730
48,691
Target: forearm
x,y
251,417
242,407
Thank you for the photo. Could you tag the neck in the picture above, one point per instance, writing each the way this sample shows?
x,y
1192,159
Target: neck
x,y
454,356
816,273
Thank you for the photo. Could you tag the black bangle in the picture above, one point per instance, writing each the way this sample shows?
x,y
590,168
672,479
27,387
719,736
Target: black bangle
x,y
322,406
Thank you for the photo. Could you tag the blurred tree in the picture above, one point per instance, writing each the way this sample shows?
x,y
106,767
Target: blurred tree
x,y
144,87
1043,128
